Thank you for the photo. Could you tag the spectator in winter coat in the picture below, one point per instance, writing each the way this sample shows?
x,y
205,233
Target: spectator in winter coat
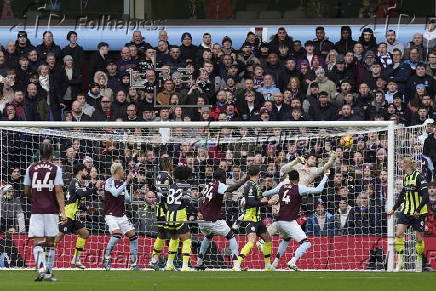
x,y
320,223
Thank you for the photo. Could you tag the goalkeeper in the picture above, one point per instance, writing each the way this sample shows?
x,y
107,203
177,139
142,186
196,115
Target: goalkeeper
x,y
413,200
307,170
74,196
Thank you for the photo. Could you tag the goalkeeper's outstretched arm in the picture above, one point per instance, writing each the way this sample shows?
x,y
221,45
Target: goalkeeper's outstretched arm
x,y
290,166
328,165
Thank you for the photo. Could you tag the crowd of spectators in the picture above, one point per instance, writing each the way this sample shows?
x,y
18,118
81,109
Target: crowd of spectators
x,y
284,79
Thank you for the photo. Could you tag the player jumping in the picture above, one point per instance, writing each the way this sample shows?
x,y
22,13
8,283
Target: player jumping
x,y
116,194
75,194
178,202
43,183
251,219
210,211
163,181
413,200
290,202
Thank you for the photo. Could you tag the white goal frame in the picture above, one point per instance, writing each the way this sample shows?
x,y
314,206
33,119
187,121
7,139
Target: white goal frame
x,y
389,126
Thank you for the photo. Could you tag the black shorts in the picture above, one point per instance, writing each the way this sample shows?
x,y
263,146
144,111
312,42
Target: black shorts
x,y
179,229
417,224
256,227
71,226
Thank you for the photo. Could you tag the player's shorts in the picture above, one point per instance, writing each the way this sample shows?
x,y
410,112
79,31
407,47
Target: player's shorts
x,y
256,227
180,228
121,223
272,229
417,224
218,227
291,229
71,226
43,225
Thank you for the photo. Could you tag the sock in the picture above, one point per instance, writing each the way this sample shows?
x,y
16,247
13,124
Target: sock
x,y
419,248
233,244
172,251
282,248
245,251
111,244
266,250
399,247
203,248
80,245
39,254
134,249
157,249
51,252
186,251
301,250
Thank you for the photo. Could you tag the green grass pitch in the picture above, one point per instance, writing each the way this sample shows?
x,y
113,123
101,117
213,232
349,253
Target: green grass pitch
x,y
211,281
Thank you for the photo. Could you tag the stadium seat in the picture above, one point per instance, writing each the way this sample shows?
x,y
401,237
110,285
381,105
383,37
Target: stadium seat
x,y
257,6
296,13
246,14
270,14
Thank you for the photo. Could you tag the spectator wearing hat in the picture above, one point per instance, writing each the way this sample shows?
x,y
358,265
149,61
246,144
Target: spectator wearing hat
x,y
22,73
321,222
324,84
323,109
368,40
48,46
74,50
98,60
11,212
421,77
311,98
187,49
322,45
399,71
113,77
339,73
94,96
346,43
23,44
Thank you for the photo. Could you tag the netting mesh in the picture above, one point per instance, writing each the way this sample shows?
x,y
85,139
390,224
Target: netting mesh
x,y
346,222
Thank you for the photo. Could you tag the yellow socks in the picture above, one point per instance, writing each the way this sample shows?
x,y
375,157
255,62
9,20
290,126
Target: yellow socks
x,y
186,251
419,248
266,250
245,251
80,245
158,247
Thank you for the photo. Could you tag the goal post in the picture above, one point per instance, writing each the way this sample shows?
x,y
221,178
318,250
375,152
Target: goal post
x,y
206,145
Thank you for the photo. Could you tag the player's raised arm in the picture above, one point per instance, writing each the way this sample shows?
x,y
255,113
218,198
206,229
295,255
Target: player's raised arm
x,y
328,165
273,191
290,166
236,186
318,189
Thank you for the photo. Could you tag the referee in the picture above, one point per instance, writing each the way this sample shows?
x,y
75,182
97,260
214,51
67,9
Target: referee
x,y
413,200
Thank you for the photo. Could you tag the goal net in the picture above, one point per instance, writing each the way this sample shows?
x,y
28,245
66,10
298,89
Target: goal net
x,y
346,223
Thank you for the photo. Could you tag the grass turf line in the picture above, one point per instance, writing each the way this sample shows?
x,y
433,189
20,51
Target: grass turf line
x,y
211,281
